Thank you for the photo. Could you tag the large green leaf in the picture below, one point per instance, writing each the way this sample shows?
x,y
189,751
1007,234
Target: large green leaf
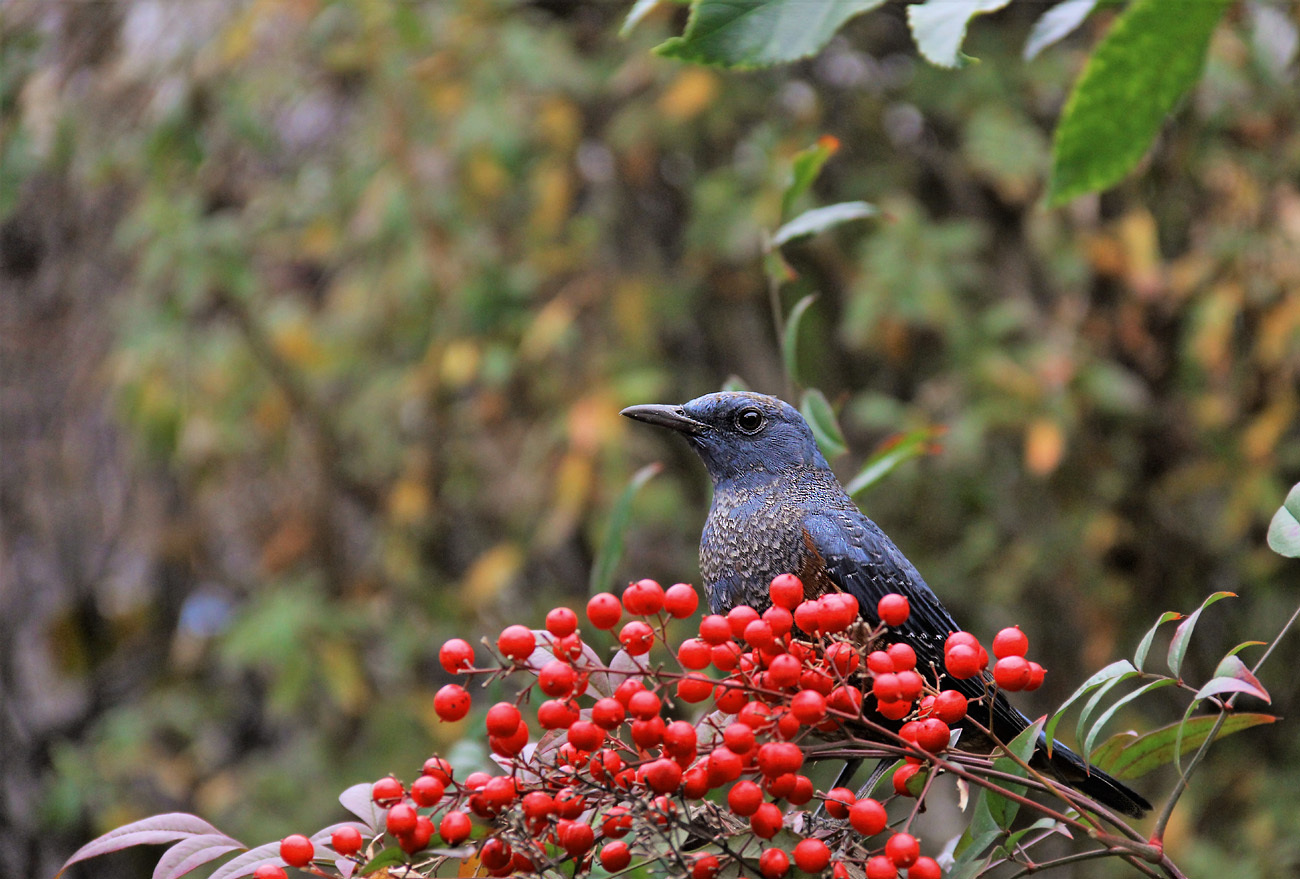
x,y
816,410
1110,672
1284,530
1090,739
902,448
1002,809
759,33
790,339
1183,634
939,27
1127,756
1150,58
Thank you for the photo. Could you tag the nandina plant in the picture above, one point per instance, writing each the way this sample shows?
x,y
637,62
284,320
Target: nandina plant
x,y
694,756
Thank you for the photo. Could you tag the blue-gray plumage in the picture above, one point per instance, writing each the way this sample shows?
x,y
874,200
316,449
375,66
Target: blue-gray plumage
x,y
778,508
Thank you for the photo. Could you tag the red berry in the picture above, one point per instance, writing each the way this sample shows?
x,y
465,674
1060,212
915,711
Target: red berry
x,y
509,746
894,710
924,868
1036,674
663,776
695,783
680,739
903,655
418,838
400,820
387,790
893,609
786,591
438,768
885,687
728,698
644,704
615,856
955,638
773,863
297,850
902,776
604,610
803,791
705,867
778,758
932,734
880,867
456,655
949,706
636,637
607,713
648,733
1012,673
843,657
694,688
739,737
556,714
838,802
811,855
780,619
561,621
346,840
454,828
766,820
738,618
495,853
618,821
903,849
962,661
758,633
569,803
726,656
567,647
537,805
723,765
451,702
838,611
681,600
744,798
556,678
808,617
644,598
503,719
880,662
270,871
845,698
1010,642
427,791
809,706
517,642
714,629
910,685
577,837
586,735
868,817
694,654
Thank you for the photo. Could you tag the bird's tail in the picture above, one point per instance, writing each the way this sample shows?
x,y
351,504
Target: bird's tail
x,y
1070,768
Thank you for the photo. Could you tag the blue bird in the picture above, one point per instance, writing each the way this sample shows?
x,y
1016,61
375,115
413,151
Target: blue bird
x,y
778,508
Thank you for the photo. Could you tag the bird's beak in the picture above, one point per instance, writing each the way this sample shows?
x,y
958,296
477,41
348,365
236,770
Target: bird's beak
x,y
671,417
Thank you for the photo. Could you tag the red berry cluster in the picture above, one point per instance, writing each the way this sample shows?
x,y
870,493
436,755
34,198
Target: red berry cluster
x,y
616,766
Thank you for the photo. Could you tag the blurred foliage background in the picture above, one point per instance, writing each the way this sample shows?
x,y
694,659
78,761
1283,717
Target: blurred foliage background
x,y
316,317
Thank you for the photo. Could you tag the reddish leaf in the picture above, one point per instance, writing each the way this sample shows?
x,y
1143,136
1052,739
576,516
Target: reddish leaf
x,y
148,831
357,800
186,855
249,861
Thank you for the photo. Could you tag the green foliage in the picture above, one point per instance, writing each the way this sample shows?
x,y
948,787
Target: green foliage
x,y
939,27
1284,529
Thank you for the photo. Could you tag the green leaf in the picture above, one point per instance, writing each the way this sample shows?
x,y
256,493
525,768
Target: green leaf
x,y
611,548
1144,647
759,33
1152,55
1001,808
790,339
892,453
1284,530
1127,757
1232,676
1090,739
820,219
816,410
1096,699
1055,24
387,857
805,167
1114,670
640,9
1183,634
939,27
734,383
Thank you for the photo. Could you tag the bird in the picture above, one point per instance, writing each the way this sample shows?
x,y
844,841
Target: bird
x,y
778,508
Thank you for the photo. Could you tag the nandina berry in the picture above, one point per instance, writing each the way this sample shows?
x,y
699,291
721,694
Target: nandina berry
x,y
894,710
585,735
726,656
561,621
705,867
723,765
756,715
780,619
786,591
500,791
663,776
846,698
879,662
615,856
617,822
681,600
902,779
427,791
784,670
885,687
955,638
605,764
843,658
694,654
1010,642
569,803
636,637
624,691
418,838
739,737
744,798
438,768
738,618
932,734
648,733
766,820
802,791
401,819
475,781
778,758
808,706
298,851
517,642
903,655
868,817
556,678
838,802
903,849
1036,674
644,598
729,699
567,647
925,868
1012,673
695,783
451,702
387,790
779,786
962,661
270,871
910,685
454,827
893,609
604,610
644,704
556,714
456,655
811,855
694,688
680,739
495,853
503,719
838,611
607,713
880,867
773,863
808,616
758,633
346,840
509,746
714,629
537,805
787,725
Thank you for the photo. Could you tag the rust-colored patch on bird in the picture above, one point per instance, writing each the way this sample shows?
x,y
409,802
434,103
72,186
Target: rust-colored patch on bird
x,y
816,582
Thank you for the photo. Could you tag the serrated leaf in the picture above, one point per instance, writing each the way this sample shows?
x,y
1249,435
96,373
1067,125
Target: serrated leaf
x,y
804,168
154,830
1284,530
1134,756
1144,646
889,456
611,548
358,800
1056,24
1232,676
820,219
249,861
1145,64
189,854
1116,668
790,338
939,27
1183,634
1090,739
759,33
816,410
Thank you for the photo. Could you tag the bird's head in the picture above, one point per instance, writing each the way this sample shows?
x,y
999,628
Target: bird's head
x,y
738,433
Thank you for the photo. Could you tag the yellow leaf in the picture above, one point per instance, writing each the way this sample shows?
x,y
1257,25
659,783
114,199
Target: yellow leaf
x,y
295,343
573,485
559,123
460,361
487,177
547,329
490,573
1044,446
552,186
408,501
690,93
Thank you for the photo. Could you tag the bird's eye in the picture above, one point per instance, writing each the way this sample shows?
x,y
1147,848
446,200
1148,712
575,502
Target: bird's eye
x,y
749,421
